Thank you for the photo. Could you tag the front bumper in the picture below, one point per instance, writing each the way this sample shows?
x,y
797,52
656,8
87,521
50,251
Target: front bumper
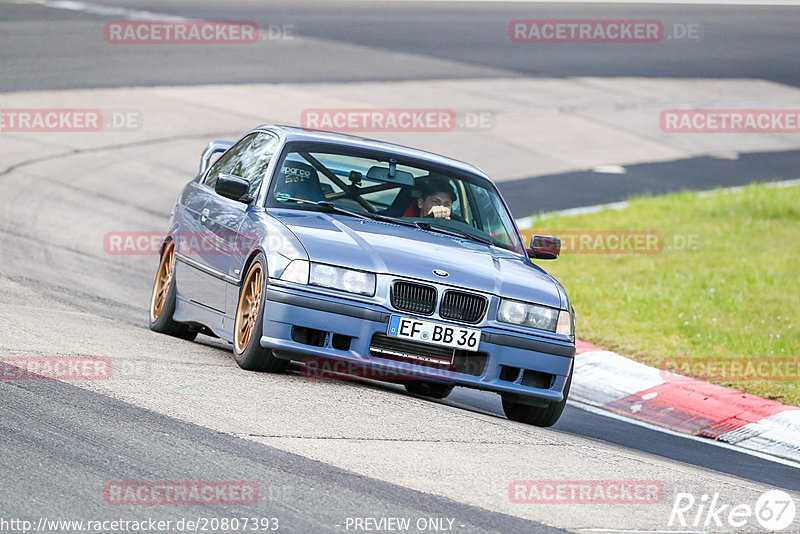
x,y
507,363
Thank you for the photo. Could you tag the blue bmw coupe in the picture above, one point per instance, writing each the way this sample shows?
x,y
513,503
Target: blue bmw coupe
x,y
390,262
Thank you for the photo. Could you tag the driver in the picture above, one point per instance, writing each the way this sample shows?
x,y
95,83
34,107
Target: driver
x,y
436,200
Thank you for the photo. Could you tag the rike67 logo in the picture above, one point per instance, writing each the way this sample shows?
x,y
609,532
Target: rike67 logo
x,y
773,511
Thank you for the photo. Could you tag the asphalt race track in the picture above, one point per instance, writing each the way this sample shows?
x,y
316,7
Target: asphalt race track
x,y
83,429
424,39
322,453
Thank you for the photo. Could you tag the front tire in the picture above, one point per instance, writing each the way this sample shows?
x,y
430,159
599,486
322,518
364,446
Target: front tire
x,y
533,415
162,301
429,389
247,349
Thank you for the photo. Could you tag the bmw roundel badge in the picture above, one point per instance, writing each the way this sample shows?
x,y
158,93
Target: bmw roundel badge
x,y
440,272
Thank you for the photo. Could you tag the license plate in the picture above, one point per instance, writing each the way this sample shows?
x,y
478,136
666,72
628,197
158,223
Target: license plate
x,y
446,335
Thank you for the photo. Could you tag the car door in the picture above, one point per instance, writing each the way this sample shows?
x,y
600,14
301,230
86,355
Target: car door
x,y
222,217
200,282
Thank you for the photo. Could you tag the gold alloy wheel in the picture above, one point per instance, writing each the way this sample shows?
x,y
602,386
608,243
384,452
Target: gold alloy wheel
x,y
163,281
247,311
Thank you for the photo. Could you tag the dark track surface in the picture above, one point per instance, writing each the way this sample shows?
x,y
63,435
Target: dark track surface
x,y
46,48
577,189
679,448
87,440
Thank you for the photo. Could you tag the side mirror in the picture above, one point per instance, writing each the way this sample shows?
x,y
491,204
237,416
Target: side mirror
x,y
544,247
233,187
214,147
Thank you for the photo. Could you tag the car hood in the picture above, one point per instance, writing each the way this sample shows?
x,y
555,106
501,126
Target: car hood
x,y
408,252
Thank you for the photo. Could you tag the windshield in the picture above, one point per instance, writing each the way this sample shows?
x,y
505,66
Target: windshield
x,y
439,199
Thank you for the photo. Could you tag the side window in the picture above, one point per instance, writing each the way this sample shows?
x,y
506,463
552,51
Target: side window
x,y
249,159
491,222
226,162
254,160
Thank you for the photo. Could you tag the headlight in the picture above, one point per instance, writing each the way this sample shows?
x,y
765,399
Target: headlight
x,y
343,279
512,311
358,282
530,315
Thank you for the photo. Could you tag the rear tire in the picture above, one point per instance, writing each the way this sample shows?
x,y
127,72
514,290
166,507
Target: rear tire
x,y
247,329
533,415
429,389
162,301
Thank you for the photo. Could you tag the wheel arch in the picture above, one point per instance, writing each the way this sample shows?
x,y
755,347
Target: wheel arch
x,y
164,242
250,259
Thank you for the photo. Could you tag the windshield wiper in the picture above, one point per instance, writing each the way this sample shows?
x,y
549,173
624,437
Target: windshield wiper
x,y
368,215
454,232
333,207
377,217
386,218
322,203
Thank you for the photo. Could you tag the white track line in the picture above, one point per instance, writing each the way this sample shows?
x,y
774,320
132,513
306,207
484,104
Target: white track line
x,y
100,10
753,3
613,415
